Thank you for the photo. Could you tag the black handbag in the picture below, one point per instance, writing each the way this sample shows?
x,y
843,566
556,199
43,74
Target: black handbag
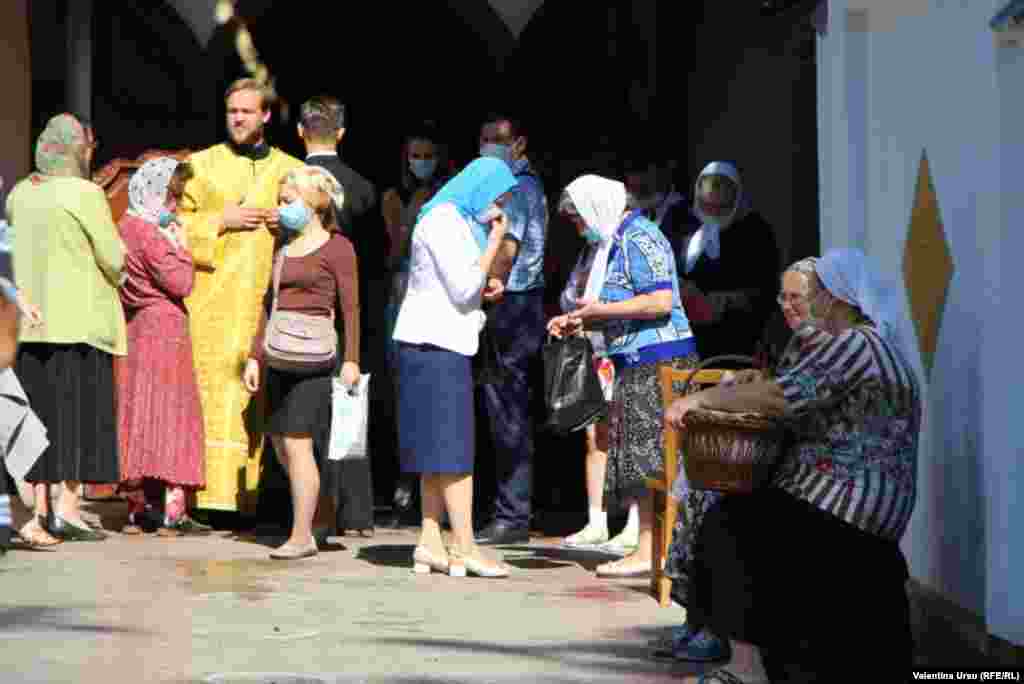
x,y
572,390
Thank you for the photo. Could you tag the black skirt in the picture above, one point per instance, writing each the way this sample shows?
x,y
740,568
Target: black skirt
x,y
71,389
298,404
301,404
805,586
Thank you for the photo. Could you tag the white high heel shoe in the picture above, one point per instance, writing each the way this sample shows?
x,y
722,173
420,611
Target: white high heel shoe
x,y
475,563
424,561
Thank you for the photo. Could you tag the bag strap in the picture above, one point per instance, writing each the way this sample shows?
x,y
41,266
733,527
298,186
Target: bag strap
x,y
278,267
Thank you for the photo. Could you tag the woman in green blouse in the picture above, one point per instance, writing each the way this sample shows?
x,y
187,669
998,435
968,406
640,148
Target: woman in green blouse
x,y
68,257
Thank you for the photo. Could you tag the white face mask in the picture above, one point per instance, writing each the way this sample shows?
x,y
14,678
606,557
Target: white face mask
x,y
818,313
489,214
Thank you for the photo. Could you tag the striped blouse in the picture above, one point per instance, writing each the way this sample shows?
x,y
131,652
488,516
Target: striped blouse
x,y
855,410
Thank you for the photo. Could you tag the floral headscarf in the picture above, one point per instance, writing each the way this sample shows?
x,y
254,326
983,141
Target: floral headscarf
x,y
147,189
57,148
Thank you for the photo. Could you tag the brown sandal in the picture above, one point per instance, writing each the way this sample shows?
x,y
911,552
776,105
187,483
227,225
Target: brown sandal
x,y
131,529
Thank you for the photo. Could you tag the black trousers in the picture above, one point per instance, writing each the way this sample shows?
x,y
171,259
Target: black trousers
x,y
822,599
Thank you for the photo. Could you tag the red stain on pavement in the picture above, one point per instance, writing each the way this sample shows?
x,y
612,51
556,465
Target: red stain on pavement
x,y
602,593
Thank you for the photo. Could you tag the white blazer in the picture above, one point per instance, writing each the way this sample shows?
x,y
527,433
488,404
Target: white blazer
x,y
442,303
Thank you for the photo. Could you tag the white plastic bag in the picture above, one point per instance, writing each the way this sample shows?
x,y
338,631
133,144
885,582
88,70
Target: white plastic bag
x,y
350,412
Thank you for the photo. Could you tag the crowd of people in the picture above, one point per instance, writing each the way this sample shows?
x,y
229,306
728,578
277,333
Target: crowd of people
x,y
154,356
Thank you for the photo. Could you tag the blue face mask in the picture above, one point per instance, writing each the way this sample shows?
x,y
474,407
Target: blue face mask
x,y
498,151
422,168
295,216
591,236
167,218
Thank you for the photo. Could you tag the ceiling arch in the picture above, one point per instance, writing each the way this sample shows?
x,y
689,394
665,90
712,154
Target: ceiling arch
x,y
499,21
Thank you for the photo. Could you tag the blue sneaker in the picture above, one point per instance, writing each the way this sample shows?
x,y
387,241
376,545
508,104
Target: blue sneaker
x,y
676,637
702,647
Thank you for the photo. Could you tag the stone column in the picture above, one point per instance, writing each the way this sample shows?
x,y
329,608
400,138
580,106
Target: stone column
x,y
16,105
643,87
79,83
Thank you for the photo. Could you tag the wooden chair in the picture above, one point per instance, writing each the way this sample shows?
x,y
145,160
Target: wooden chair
x,y
665,507
113,178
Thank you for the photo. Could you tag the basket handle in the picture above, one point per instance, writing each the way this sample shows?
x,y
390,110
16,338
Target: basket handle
x,y
733,358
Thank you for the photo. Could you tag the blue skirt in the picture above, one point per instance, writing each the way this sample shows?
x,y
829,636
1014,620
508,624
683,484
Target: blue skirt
x,y
436,426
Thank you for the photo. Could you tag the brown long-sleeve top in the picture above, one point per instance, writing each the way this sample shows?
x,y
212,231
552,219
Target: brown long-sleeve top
x,y
313,284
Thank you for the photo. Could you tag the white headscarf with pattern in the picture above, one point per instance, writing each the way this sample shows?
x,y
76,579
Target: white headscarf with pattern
x,y
147,189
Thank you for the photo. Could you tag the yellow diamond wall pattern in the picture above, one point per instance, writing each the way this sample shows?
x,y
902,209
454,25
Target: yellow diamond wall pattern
x,y
927,264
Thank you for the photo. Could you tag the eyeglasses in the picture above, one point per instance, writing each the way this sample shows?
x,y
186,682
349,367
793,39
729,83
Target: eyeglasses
x,y
791,299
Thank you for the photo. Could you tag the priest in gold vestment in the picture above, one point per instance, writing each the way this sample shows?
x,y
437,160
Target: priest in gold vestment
x,y
230,212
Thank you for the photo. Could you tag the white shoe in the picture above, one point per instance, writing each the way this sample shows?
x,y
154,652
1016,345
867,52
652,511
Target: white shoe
x,y
475,562
622,544
591,535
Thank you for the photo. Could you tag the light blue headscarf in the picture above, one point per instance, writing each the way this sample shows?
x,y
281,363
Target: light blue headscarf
x,y
472,190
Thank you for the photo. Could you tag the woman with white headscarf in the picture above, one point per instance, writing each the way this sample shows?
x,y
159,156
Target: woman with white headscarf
x,y
160,424
632,300
728,266
797,573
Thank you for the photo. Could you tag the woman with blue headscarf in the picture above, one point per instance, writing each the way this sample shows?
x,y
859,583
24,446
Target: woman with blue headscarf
x,y
454,243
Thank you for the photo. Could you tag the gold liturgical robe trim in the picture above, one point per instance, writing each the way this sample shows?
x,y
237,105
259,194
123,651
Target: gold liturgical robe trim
x,y
232,274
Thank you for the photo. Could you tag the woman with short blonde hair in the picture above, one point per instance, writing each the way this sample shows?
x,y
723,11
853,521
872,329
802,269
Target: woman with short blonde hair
x,y
318,276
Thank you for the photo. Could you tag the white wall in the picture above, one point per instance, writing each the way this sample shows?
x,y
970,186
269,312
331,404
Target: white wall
x,y
905,78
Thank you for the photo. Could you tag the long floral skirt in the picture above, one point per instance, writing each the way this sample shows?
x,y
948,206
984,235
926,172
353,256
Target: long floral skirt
x,y
160,419
693,506
635,450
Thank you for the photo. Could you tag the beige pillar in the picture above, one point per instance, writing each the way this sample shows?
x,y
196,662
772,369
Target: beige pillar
x,y
16,104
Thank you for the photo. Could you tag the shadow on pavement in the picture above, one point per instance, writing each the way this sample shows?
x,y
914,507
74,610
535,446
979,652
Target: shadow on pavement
x,y
387,555
46,618
628,659
588,559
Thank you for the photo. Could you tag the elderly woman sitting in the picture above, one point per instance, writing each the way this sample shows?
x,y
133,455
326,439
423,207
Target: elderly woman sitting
x,y
803,573
683,642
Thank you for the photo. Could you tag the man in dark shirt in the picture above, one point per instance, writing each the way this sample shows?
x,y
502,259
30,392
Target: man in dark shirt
x,y
321,128
647,174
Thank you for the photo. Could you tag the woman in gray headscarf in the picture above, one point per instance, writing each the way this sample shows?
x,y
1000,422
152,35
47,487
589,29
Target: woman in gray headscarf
x,y
684,642
793,603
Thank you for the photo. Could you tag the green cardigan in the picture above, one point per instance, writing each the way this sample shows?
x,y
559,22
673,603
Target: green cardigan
x,y
68,257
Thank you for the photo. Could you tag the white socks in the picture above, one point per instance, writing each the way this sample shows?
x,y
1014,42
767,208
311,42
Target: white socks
x,y
597,518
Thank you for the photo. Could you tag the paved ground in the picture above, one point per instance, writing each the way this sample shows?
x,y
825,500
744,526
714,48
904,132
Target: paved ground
x,y
217,609
147,609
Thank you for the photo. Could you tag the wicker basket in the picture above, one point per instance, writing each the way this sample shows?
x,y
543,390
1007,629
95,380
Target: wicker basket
x,y
733,453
